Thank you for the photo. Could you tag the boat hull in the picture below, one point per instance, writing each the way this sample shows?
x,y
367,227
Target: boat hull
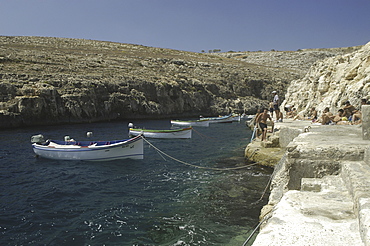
x,y
175,133
202,123
221,119
125,149
224,119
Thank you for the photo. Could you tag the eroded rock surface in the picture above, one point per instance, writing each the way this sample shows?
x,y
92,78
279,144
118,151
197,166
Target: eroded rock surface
x,y
57,80
333,81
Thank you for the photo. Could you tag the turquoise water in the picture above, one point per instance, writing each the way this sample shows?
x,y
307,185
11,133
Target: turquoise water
x,y
155,201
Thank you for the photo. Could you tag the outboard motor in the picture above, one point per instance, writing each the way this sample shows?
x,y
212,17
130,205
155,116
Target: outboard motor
x,y
39,139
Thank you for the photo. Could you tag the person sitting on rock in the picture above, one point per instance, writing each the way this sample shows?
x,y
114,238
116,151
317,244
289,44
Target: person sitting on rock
x,y
312,116
262,122
357,115
357,118
292,113
349,110
340,118
326,117
287,109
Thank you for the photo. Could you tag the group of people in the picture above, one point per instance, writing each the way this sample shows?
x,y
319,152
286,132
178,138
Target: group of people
x,y
348,115
274,107
345,116
262,117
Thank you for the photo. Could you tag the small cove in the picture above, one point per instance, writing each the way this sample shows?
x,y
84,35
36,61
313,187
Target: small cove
x,y
155,201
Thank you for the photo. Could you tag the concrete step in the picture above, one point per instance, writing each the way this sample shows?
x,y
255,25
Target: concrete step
x,y
356,176
329,182
319,214
354,179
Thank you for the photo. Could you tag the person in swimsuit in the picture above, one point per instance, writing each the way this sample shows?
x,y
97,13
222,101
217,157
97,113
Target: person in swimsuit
x,y
349,110
262,121
326,117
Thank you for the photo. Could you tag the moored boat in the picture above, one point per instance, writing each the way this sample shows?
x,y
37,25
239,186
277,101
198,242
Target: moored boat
x,y
203,122
172,133
236,117
247,117
88,150
220,119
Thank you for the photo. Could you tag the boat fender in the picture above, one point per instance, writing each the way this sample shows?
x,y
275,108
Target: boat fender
x,y
130,125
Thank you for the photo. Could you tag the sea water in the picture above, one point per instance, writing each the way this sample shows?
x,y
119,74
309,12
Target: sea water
x,y
173,197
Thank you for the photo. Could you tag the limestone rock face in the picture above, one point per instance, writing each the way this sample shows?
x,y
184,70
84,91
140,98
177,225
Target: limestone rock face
x,y
298,61
58,80
331,82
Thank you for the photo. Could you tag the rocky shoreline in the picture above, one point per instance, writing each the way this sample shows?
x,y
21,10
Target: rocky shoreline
x,y
58,80
319,190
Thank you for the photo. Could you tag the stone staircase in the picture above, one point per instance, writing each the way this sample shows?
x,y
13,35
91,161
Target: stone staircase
x,y
356,176
321,191
348,195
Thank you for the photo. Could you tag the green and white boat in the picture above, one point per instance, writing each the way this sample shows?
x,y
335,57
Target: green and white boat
x,y
172,133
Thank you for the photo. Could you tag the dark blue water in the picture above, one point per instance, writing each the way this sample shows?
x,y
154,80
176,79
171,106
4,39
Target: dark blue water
x,y
155,201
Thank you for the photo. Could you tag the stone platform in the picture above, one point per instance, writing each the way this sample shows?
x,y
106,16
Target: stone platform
x,y
320,191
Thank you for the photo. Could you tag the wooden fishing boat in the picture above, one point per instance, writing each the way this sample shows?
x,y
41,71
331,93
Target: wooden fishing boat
x,y
172,133
88,150
186,123
220,119
247,117
236,117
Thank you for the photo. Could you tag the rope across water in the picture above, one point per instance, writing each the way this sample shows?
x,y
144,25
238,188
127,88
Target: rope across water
x,y
161,153
192,165
196,166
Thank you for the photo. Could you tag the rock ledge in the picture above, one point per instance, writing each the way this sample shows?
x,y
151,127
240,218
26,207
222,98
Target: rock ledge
x,y
320,191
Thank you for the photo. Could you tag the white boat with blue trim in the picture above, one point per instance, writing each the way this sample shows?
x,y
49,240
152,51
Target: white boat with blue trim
x,y
88,150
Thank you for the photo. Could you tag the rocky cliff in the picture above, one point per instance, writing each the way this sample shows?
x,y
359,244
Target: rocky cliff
x,y
333,81
298,61
57,80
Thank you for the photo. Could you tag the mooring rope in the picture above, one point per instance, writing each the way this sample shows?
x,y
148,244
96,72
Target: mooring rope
x,y
255,229
162,154
203,135
192,165
265,190
267,215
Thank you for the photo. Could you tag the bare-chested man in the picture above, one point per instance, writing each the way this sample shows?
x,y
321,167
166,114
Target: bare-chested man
x,y
349,109
262,121
326,117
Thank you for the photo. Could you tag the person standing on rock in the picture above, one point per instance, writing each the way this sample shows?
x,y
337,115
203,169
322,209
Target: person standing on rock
x,y
271,109
262,121
276,103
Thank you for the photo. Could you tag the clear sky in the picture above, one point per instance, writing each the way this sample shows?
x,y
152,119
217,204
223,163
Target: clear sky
x,y
195,25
